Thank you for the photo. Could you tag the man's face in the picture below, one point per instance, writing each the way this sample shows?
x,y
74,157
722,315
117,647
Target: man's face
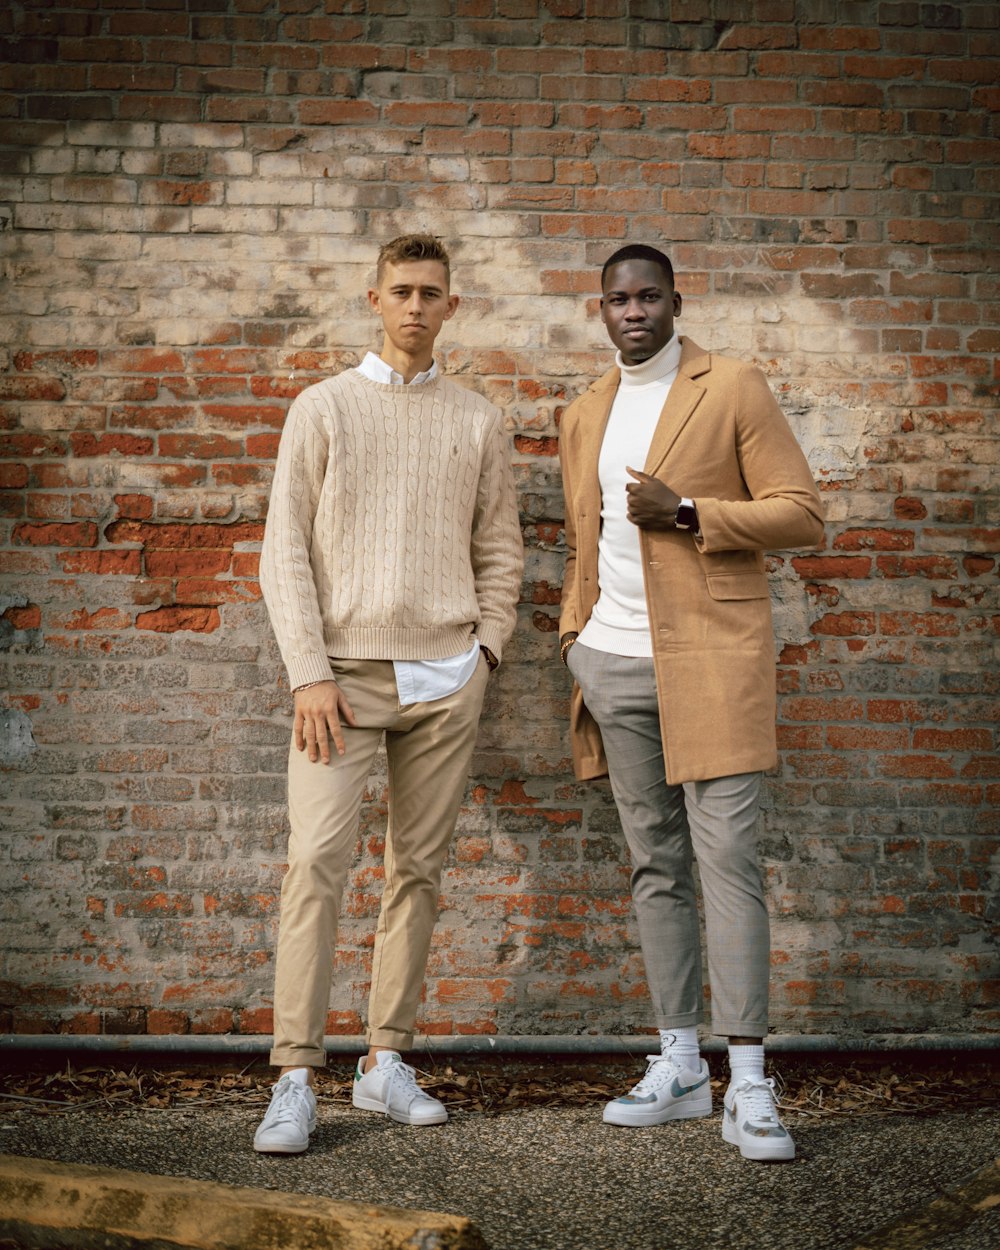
x,y
638,308
413,301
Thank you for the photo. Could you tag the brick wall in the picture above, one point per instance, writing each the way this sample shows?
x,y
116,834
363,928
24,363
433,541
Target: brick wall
x,y
191,196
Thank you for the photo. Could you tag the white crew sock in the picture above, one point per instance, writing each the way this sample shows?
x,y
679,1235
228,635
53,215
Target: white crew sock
x,y
682,1046
746,1061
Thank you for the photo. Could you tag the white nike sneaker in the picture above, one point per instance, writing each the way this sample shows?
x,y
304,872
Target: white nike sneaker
x,y
668,1091
750,1120
391,1087
290,1118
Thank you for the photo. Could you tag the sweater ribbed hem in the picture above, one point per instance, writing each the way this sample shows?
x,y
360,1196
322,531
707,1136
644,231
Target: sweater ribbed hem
x,y
429,645
397,643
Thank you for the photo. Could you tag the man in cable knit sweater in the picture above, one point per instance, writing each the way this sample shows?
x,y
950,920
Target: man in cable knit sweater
x,y
391,567
679,471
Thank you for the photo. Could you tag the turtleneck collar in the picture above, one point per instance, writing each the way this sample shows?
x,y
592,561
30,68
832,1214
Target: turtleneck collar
x,y
657,368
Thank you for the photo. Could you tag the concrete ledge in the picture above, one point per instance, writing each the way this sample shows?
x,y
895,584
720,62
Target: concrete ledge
x,y
61,1206
946,1216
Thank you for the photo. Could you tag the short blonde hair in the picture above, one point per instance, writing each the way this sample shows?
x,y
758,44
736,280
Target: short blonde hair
x,y
412,247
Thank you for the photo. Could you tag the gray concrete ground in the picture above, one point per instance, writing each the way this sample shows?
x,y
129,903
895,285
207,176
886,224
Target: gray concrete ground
x,y
559,1179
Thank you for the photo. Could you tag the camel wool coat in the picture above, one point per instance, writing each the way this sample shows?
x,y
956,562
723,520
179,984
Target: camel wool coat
x,y
722,441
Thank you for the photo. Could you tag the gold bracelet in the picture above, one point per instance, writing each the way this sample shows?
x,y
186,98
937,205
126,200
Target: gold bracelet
x,y
564,649
309,684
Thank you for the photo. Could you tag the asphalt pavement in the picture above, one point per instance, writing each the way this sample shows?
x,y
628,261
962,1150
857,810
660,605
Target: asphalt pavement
x,y
552,1178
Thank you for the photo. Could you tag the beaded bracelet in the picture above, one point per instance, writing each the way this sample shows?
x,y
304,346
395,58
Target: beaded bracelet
x,y
566,646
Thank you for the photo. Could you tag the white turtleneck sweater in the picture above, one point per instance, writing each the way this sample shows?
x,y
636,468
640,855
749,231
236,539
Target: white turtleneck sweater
x,y
620,620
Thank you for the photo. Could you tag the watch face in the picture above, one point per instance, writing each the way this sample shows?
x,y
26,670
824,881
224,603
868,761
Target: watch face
x,y
686,516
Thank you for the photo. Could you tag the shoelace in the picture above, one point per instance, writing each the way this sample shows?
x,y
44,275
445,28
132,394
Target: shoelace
x,y
287,1103
403,1076
759,1101
661,1069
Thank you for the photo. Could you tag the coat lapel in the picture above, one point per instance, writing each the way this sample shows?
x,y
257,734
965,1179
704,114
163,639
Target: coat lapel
x,y
685,394
591,424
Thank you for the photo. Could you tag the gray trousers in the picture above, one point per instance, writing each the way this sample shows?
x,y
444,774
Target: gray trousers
x,y
665,827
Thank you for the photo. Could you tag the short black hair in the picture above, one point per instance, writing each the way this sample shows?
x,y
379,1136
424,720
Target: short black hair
x,y
639,251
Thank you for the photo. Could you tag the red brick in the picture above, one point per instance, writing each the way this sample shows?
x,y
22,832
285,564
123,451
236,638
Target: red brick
x,y
242,416
895,711
60,359
100,619
914,766
952,740
101,563
143,360
212,1021
832,566
874,540
185,563
198,446
938,567
536,446
820,709
203,591
13,476
111,444
134,507
76,534
923,624
201,620
337,112
29,617
909,509
164,1023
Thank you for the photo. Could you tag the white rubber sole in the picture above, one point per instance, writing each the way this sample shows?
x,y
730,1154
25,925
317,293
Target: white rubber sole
x,y
765,1150
285,1148
400,1117
633,1117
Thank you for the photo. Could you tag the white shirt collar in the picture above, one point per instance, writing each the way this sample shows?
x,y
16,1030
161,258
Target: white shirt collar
x,y
375,369
658,368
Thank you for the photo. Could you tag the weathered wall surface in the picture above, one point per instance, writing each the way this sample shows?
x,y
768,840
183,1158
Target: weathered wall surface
x,y
191,197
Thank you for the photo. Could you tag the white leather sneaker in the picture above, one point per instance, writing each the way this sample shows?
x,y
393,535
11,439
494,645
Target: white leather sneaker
x,y
391,1087
750,1120
290,1118
668,1091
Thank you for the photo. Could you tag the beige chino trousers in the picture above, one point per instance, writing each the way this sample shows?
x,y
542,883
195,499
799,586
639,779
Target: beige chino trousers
x,y
428,748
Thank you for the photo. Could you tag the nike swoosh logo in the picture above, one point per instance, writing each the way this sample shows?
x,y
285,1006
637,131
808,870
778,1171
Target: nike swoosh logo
x,y
678,1090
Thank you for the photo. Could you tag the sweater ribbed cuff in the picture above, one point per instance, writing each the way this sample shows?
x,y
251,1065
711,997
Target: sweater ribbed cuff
x,y
491,637
307,668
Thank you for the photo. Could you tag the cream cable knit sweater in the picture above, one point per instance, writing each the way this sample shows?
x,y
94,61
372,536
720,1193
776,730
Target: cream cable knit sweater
x,y
392,532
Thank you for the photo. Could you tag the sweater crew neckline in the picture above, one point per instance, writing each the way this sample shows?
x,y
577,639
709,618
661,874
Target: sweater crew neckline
x,y
418,388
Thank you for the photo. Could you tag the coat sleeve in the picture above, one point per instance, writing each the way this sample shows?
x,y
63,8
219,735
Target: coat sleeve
x,y
568,622
497,549
784,509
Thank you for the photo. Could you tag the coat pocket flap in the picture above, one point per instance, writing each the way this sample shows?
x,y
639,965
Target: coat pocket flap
x,y
737,586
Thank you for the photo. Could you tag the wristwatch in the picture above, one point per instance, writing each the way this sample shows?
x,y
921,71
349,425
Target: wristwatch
x,y
686,516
